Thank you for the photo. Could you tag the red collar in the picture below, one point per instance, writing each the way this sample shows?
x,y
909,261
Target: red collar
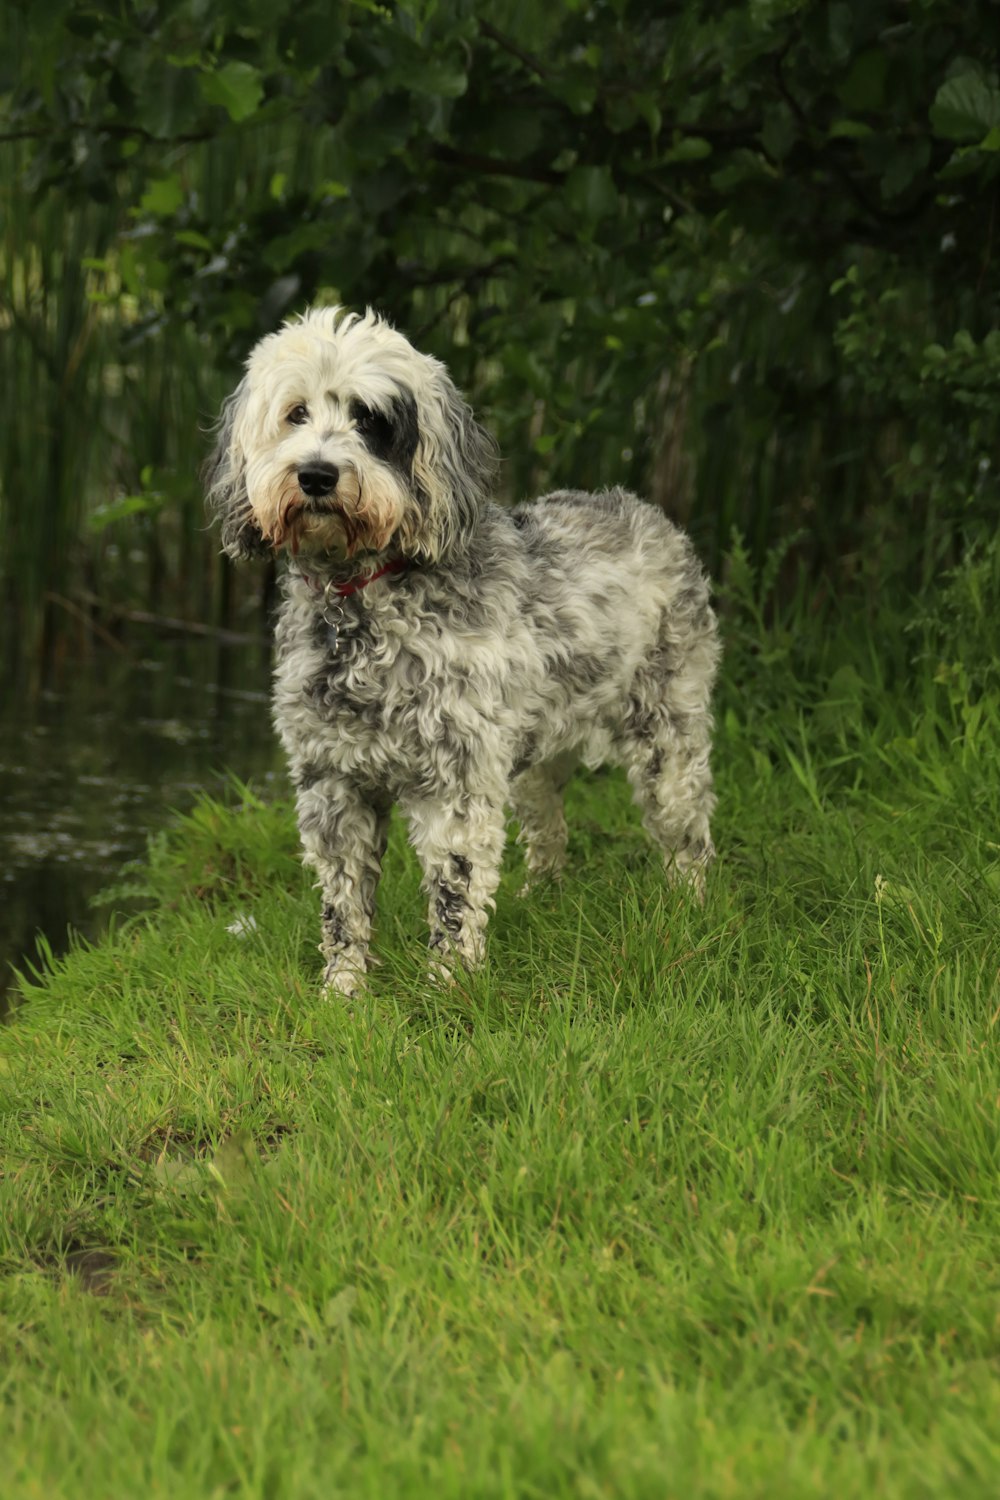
x,y
352,586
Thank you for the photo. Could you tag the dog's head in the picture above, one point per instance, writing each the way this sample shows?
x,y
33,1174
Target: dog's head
x,y
342,438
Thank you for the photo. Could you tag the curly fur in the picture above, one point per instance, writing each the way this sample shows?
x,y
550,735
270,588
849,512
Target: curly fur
x,y
508,646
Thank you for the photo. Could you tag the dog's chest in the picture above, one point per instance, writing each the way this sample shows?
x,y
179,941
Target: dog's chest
x,y
383,700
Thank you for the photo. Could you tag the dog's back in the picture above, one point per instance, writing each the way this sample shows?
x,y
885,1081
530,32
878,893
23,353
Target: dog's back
x,y
620,608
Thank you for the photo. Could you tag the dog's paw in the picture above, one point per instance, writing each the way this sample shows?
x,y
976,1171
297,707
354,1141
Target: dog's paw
x,y
340,982
684,874
441,973
537,882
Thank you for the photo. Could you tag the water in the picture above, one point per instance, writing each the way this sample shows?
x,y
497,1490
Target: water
x,y
101,758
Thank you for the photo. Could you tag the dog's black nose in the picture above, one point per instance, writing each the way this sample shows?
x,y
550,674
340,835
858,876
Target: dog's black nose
x,y
318,480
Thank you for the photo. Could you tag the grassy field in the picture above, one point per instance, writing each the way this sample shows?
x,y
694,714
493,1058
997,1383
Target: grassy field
x,y
669,1201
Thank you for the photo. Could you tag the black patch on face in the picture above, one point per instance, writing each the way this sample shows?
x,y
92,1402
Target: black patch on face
x,y
391,435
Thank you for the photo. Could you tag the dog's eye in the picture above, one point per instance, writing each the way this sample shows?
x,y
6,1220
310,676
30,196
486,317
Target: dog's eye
x,y
298,415
374,427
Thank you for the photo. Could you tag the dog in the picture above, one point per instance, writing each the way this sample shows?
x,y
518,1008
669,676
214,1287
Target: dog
x,y
443,653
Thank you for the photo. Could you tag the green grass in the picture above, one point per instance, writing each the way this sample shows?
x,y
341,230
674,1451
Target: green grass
x,y
668,1201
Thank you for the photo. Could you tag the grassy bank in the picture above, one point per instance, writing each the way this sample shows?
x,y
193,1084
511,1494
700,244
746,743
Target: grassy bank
x,y
669,1201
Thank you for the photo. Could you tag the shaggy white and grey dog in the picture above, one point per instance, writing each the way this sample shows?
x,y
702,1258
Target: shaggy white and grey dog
x,y
439,652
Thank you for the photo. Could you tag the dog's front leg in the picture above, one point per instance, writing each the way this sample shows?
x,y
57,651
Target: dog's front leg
x,y
460,846
343,838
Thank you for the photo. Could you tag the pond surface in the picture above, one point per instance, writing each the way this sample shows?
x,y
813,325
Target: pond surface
x,y
99,760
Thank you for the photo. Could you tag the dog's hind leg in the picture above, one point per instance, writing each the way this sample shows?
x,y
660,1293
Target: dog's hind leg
x,y
536,800
672,786
666,747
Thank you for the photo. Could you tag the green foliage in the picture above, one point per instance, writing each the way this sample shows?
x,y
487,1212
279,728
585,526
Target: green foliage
x,y
619,224
941,461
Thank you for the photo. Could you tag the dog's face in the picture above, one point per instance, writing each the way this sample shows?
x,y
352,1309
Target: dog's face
x,y
342,438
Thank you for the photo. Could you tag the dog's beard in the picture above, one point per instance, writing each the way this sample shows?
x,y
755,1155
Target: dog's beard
x,y
358,516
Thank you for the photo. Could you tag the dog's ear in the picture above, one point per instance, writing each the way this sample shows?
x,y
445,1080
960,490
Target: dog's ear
x,y
224,476
454,466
